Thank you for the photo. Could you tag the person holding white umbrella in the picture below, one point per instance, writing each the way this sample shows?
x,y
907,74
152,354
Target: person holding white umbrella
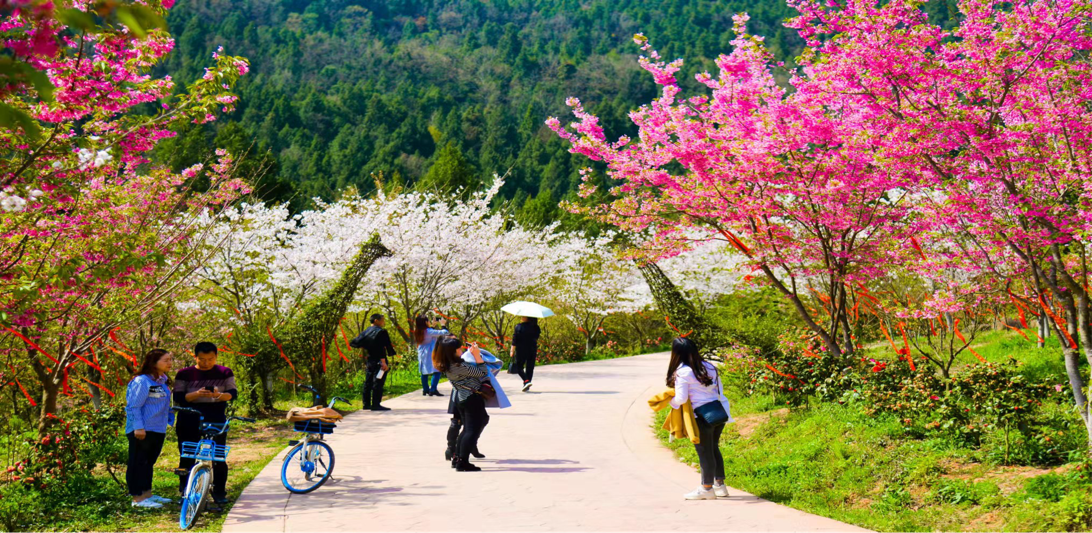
x,y
524,349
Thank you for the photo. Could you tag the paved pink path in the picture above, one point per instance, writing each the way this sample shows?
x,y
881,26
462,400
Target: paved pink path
x,y
576,454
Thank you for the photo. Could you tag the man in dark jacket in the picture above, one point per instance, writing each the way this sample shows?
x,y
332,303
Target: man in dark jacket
x,y
377,346
206,387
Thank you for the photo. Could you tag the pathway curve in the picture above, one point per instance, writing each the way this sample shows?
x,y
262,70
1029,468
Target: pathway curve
x,y
576,454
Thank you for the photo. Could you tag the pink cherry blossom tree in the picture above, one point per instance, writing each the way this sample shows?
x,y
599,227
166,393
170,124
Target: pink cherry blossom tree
x,y
783,176
91,234
993,115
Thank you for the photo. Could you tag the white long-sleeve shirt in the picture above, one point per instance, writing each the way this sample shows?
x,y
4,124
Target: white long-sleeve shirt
x,y
687,387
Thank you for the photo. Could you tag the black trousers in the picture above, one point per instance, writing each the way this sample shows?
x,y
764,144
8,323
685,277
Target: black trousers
x,y
473,415
142,457
190,433
456,425
525,365
709,457
373,385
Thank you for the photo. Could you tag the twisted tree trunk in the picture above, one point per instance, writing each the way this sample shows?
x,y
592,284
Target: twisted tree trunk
x,y
680,314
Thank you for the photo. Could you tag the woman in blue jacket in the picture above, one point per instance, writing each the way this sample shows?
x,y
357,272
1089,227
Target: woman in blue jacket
x,y
147,415
424,337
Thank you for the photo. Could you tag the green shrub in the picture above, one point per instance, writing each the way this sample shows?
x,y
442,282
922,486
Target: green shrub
x,y
754,318
71,448
58,471
1072,513
1049,488
19,507
957,491
992,405
894,498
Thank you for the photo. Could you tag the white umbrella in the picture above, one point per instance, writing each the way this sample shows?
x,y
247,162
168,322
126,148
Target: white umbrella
x,y
527,309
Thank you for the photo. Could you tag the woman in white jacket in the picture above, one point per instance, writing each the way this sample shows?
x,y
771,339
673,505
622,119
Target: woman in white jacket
x,y
696,381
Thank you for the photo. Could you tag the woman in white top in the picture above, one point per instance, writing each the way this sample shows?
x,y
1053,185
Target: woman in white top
x,y
697,381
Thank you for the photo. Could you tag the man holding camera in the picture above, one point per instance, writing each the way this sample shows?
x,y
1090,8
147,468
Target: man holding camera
x,y
376,343
206,387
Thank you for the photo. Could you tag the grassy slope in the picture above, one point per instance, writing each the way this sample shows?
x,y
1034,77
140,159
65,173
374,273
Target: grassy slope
x,y
834,461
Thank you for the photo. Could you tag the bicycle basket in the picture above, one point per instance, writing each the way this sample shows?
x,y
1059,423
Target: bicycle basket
x,y
315,426
205,451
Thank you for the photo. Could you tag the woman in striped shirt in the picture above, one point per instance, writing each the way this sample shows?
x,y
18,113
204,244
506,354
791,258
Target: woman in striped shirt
x,y
467,380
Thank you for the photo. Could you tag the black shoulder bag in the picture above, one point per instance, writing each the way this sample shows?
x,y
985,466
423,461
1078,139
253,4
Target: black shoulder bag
x,y
713,413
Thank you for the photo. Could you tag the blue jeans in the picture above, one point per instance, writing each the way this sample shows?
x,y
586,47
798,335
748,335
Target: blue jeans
x,y
425,383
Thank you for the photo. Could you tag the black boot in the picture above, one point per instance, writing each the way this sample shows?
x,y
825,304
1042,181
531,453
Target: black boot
x,y
466,466
477,454
448,454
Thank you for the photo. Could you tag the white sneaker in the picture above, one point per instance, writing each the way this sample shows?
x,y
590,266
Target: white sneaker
x,y
147,504
159,499
527,386
720,490
701,493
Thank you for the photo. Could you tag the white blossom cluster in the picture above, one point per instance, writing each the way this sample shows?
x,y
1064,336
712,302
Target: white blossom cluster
x,y
447,254
596,282
13,203
91,158
711,269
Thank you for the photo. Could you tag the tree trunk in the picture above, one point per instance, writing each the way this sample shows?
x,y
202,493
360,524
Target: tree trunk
x,y
680,313
266,385
96,394
50,391
1083,332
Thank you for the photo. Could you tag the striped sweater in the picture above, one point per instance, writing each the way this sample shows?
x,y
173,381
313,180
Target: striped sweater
x,y
466,379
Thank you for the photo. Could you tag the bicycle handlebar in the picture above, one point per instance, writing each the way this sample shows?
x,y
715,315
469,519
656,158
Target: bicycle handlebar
x,y
209,427
336,399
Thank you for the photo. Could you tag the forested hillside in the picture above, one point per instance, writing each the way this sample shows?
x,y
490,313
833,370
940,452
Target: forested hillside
x,y
436,92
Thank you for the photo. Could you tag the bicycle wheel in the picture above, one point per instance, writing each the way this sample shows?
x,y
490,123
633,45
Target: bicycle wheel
x,y
196,493
307,466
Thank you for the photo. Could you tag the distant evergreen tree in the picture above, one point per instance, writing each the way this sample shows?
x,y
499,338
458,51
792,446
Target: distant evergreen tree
x,y
450,172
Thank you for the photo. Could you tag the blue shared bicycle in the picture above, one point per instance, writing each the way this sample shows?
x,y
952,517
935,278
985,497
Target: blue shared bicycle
x,y
205,452
310,461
